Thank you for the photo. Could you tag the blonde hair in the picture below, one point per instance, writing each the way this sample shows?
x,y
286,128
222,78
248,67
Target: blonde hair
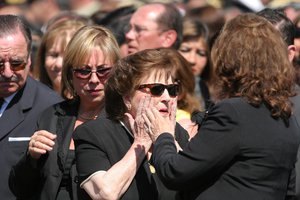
x,y
80,47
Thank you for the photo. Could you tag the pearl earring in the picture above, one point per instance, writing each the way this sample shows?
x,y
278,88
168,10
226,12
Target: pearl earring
x,y
128,107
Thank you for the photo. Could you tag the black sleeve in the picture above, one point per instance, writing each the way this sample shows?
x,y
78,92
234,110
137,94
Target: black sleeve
x,y
25,178
90,151
291,187
181,135
206,155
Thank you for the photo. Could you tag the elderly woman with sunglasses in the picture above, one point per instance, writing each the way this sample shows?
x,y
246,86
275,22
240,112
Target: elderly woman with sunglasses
x,y
113,156
48,169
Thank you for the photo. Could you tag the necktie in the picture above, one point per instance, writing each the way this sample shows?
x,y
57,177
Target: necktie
x,y
1,102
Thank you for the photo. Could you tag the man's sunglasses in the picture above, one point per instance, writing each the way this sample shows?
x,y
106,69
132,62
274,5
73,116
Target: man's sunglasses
x,y
157,89
14,65
85,73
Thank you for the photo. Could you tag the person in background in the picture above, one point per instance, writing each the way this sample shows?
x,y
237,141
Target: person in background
x,y
284,25
48,169
64,16
154,25
85,7
39,12
22,99
117,21
213,17
247,143
187,102
297,44
113,156
49,60
287,29
195,50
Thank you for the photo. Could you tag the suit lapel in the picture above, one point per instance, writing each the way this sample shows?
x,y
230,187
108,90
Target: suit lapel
x,y
11,119
65,129
17,109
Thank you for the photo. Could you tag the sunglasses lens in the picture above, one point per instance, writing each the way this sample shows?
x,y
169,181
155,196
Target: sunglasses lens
x,y
103,72
173,90
157,90
17,66
14,66
82,73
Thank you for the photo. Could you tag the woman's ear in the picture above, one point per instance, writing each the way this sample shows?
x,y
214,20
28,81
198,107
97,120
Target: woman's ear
x,y
292,51
127,102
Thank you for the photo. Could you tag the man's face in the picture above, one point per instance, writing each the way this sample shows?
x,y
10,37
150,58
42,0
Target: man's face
x,y
144,32
14,63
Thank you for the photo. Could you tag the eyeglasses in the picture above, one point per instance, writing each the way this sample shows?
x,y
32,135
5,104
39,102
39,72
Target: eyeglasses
x,y
14,65
139,30
85,73
157,89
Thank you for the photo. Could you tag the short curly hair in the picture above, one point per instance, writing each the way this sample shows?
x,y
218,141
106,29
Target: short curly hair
x,y
128,72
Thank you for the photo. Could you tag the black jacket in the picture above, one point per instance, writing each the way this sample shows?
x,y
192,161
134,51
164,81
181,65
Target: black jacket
x,y
41,180
239,152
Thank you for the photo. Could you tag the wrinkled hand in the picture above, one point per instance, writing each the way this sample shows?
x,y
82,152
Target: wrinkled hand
x,y
40,143
137,125
156,124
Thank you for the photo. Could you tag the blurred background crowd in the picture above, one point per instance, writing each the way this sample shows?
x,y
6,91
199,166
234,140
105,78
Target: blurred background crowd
x,y
68,44
115,14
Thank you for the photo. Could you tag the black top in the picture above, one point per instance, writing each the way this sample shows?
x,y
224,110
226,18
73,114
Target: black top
x,y
102,143
65,189
240,152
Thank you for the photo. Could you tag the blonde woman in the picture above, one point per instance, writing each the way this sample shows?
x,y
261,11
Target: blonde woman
x,y
48,169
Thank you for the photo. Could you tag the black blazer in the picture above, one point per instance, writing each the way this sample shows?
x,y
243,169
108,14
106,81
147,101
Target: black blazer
x,y
19,120
102,143
240,152
42,180
296,112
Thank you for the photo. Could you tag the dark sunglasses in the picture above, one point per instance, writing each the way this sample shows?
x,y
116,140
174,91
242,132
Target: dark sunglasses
x,y
85,73
157,89
14,65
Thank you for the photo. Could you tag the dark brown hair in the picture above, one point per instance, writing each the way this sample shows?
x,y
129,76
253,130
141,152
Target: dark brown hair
x,y
250,60
128,72
11,23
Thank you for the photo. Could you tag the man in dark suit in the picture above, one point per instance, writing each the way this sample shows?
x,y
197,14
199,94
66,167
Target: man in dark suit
x,y
287,29
22,98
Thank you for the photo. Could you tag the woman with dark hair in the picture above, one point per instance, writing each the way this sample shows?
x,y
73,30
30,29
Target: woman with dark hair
x,y
247,144
195,49
113,155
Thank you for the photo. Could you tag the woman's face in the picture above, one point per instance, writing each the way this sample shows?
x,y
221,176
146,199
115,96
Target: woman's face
x,y
90,85
54,59
162,102
195,52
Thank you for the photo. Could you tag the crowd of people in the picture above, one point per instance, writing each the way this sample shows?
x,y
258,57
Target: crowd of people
x,y
177,100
